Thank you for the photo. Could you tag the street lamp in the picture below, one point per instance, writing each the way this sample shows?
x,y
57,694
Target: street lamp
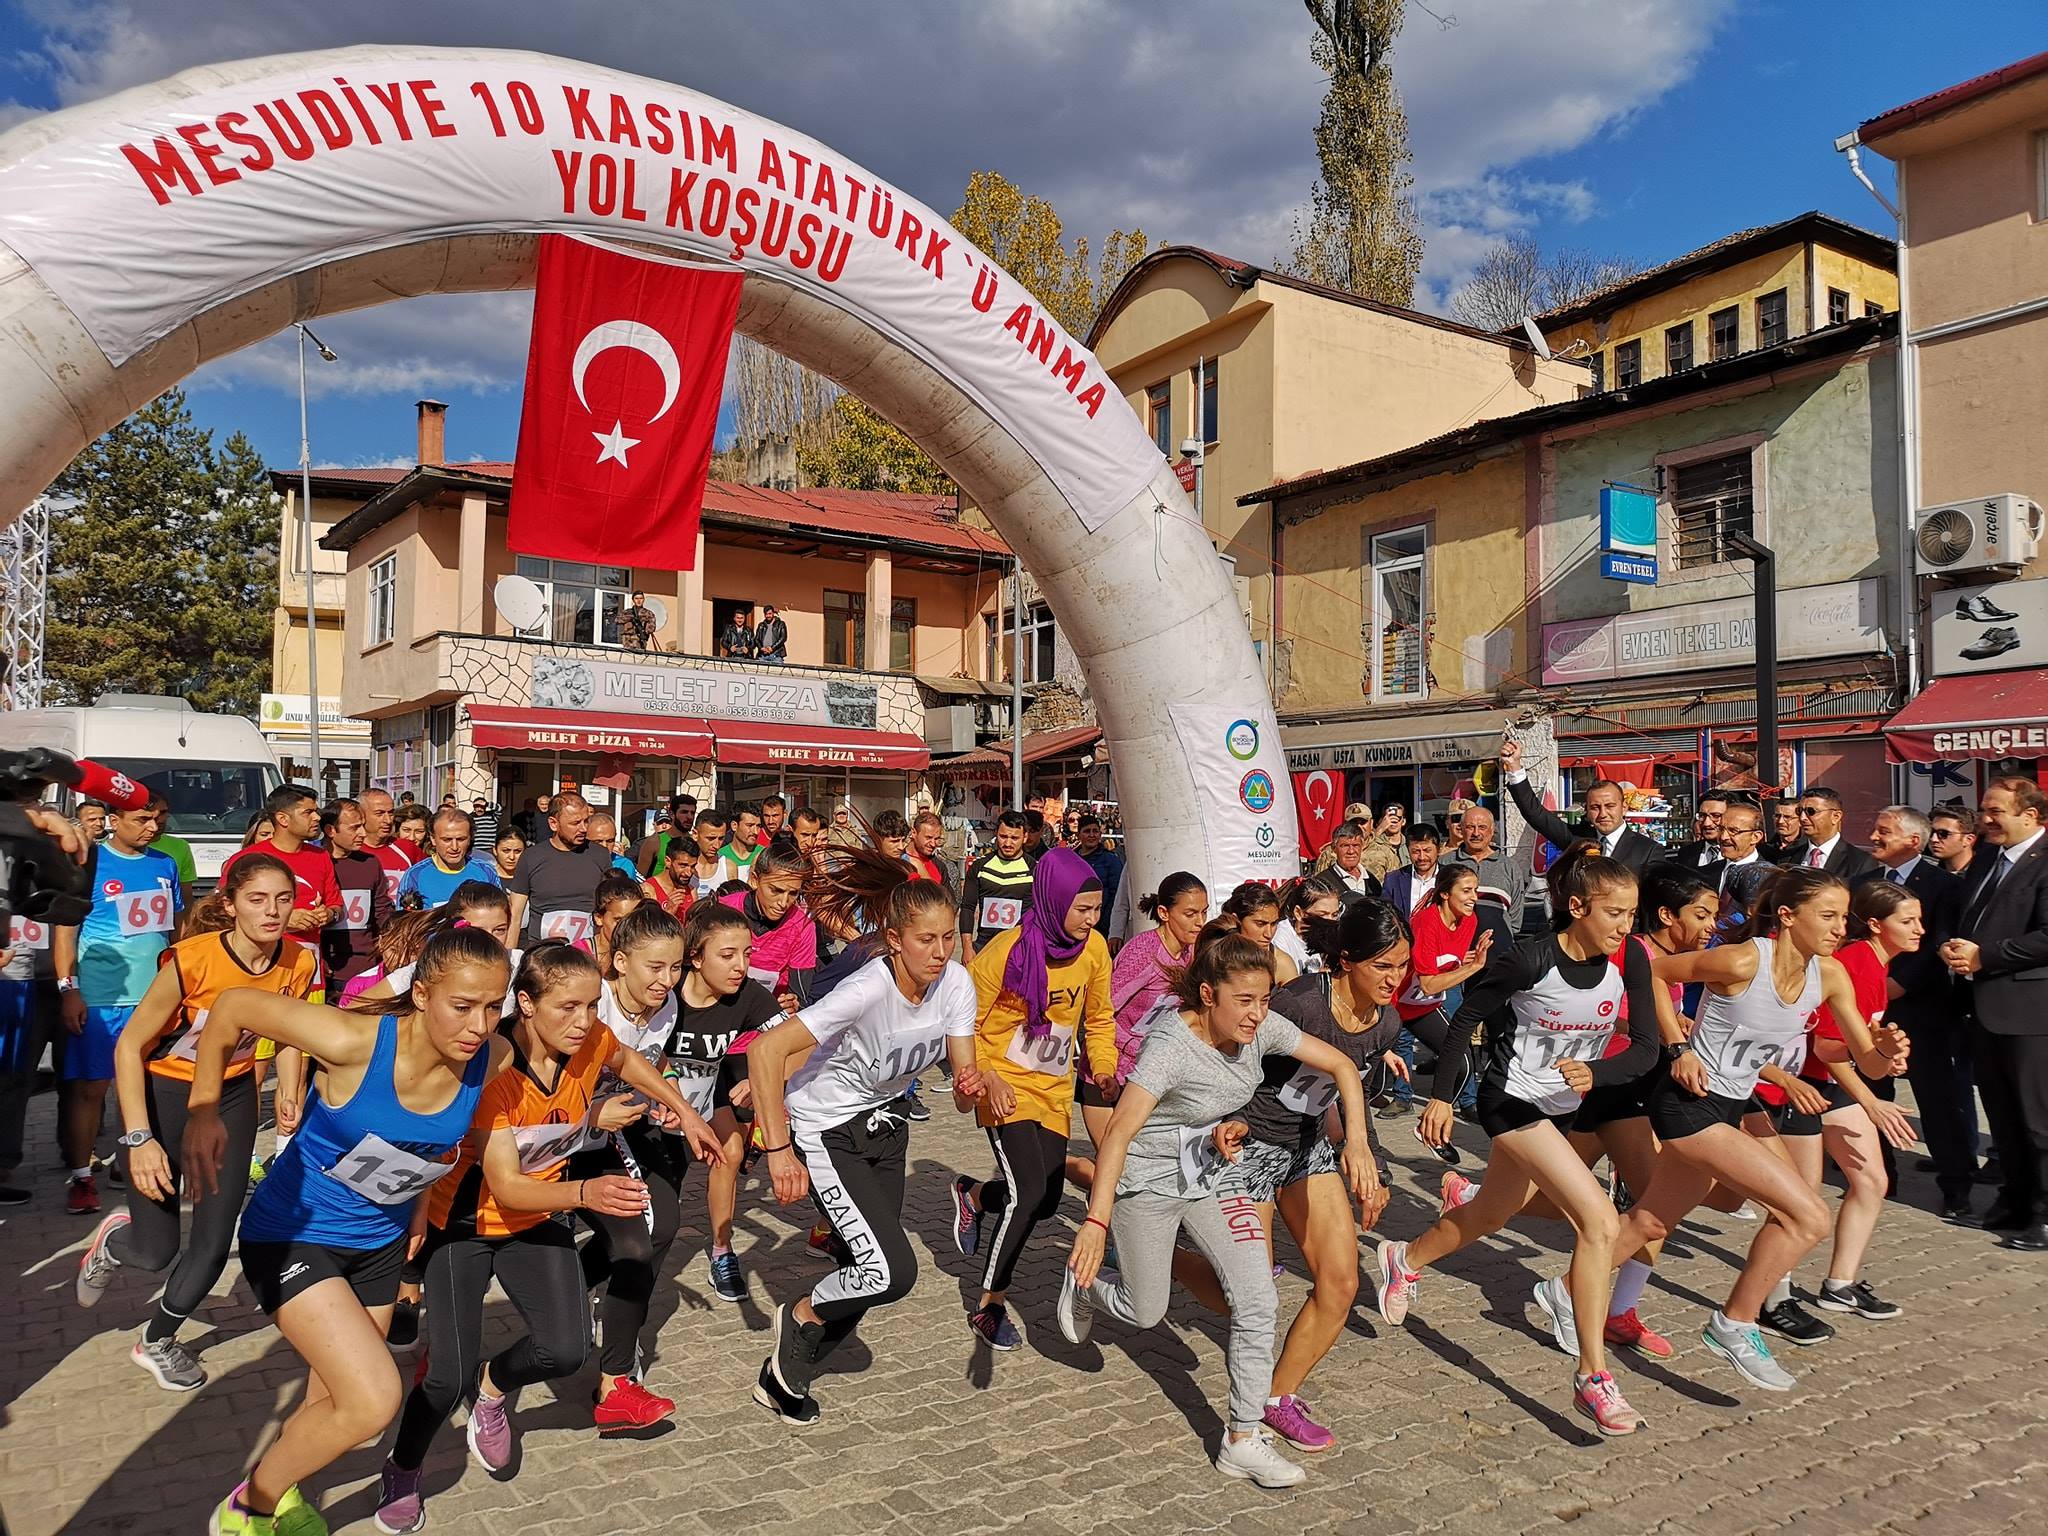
x,y
306,535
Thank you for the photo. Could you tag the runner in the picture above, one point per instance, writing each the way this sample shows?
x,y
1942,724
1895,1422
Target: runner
x,y
104,966
785,950
1449,951
672,888
744,846
348,945
448,863
380,820
837,1134
1042,1000
710,868
1157,1169
618,897
1146,966
927,834
892,836
415,828
1746,1022
553,892
997,887
235,938
604,833
1317,896
1255,909
325,1234
492,1218
506,851
1551,1005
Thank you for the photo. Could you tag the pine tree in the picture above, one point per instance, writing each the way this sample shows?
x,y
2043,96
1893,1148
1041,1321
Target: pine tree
x,y
228,629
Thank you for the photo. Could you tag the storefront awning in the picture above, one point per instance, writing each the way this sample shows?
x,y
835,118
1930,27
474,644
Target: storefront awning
x,y
818,746
571,730
992,763
1989,715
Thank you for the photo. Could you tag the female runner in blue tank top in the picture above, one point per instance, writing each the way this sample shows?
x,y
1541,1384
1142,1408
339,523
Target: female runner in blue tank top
x,y
326,1233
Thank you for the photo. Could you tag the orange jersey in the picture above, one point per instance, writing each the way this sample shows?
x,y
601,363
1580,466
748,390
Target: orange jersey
x,y
548,1127
206,967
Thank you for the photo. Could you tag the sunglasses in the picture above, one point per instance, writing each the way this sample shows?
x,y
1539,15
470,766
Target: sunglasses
x,y
1810,810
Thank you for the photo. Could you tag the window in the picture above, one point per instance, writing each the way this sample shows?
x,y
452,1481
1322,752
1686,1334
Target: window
x,y
1628,365
1394,643
846,624
1206,393
1678,348
1598,364
1770,319
1159,416
1872,309
383,600
1710,500
1039,633
1724,332
584,601
1838,306
902,628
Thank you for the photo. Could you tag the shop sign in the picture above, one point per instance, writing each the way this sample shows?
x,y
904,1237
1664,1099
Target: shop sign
x,y
1628,534
1987,629
1408,753
1844,618
286,714
612,687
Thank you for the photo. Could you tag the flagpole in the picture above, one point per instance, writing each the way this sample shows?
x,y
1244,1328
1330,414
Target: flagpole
x,y
1016,685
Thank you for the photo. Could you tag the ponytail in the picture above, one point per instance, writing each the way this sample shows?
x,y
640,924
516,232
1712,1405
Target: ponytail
x,y
1218,954
1171,889
547,965
1583,873
1365,929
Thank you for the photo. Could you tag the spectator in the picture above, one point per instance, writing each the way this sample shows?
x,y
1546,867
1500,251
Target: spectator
x,y
1035,835
483,826
1705,848
1820,814
91,818
1107,864
173,847
774,816
670,826
1606,821
1741,841
637,625
736,639
414,825
927,833
1953,838
771,640
604,832
745,844
1347,861
1385,846
844,833
1409,887
1788,842
892,837
1503,878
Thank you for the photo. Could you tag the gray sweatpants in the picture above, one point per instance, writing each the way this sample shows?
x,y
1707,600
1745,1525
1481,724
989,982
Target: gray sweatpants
x,y
1231,1237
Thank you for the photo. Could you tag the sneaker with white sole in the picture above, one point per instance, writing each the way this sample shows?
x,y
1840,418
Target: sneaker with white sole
x,y
1397,1282
966,1216
1554,1301
1255,1460
1076,1309
1743,1347
96,1265
1599,1399
1856,1298
1454,1191
175,1367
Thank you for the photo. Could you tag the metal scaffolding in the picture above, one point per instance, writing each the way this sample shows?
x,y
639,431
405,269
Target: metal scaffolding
x,y
24,575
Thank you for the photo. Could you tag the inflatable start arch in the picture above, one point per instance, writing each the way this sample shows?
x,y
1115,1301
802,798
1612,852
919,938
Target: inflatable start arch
x,y
151,232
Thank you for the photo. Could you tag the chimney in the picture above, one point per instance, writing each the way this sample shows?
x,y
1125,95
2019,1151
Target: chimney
x,y
433,448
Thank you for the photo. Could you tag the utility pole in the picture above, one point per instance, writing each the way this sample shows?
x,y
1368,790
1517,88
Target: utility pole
x,y
1765,564
1016,685
306,537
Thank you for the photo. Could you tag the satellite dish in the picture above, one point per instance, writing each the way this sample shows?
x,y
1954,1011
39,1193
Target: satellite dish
x,y
522,603
659,609
1536,337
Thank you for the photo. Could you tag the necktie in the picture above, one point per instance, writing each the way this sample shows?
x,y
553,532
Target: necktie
x,y
1898,877
1981,902
1815,858
1607,845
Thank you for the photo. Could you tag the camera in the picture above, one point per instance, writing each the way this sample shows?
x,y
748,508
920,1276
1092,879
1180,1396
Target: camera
x,y
38,879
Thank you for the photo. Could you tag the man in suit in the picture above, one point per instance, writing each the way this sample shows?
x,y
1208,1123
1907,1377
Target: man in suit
x,y
1930,1007
1820,816
1787,843
1705,848
1741,844
1606,820
1408,887
1954,839
2001,945
1348,843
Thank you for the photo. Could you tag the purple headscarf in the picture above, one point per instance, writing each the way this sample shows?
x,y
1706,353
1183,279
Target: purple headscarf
x,y
1042,937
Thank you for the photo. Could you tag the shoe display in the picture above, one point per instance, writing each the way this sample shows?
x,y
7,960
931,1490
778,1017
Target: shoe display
x,y
1993,642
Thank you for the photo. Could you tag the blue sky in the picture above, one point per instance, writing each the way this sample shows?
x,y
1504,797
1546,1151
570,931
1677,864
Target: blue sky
x,y
1641,128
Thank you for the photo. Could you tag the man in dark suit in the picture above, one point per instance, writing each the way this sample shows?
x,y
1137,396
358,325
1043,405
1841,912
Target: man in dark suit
x,y
1820,815
2001,945
1705,848
1787,844
1606,820
1408,887
1932,1006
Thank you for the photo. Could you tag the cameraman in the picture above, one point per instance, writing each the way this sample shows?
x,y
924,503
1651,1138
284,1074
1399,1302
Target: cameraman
x,y
28,1010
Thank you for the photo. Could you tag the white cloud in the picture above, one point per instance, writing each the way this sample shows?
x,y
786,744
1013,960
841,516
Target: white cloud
x,y
450,341
14,113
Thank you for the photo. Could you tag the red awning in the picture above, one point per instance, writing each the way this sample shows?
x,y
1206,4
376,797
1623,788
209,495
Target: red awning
x,y
992,763
572,730
818,746
1988,715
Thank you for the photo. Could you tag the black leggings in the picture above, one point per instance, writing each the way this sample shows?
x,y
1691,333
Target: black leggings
x,y
538,1270
856,1174
150,1240
626,1255
1032,1160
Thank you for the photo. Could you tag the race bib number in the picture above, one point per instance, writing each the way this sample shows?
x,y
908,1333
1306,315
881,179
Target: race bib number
x,y
573,926
697,1088
391,879
767,979
1542,1051
187,1046
1201,1165
1308,1092
145,911
1000,912
386,1175
541,1147
27,933
1050,1055
355,910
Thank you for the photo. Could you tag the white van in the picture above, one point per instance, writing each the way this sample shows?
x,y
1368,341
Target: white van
x,y
214,769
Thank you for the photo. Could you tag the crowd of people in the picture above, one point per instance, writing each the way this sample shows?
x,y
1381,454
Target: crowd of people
x,y
496,1055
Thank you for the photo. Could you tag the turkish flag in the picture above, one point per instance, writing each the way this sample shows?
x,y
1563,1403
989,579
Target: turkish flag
x,y
1318,808
623,377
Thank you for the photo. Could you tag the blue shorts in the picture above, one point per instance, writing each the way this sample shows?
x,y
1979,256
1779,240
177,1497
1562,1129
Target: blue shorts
x,y
89,1055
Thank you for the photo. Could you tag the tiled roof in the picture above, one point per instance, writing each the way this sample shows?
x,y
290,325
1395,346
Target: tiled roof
x,y
1951,97
336,475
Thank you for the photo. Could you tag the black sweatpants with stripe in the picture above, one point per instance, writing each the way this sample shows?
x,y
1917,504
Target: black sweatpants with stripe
x,y
1031,1160
857,1175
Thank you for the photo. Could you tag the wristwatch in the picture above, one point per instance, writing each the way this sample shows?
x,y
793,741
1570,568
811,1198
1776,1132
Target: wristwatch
x,y
134,1139
67,983
1673,1052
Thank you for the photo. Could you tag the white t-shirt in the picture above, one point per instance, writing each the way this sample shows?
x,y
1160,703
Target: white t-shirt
x,y
648,1040
872,1041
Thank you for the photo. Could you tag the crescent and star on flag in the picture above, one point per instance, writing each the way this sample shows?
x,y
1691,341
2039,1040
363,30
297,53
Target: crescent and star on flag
x,y
632,334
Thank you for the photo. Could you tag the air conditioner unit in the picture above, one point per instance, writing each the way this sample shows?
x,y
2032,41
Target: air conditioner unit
x,y
1964,538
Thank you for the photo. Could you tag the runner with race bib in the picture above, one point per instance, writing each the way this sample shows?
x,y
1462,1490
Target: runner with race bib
x,y
1042,999
1205,1053
237,941
785,952
494,1218
838,1131
996,890
1550,1005
326,1232
554,889
348,945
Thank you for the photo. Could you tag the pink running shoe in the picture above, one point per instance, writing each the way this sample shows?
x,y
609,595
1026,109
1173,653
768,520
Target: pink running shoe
x,y
1628,1331
490,1433
1600,1400
1289,1419
1456,1190
1397,1282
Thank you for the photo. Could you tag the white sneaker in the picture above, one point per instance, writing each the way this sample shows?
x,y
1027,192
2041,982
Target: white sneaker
x,y
1743,1347
1254,1458
1076,1310
96,1265
1745,1212
1554,1301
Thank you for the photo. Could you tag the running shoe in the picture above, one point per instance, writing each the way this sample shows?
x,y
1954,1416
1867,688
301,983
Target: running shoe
x,y
96,1266
1394,1109
1744,1212
404,1331
1625,1330
490,1433
1289,1419
1076,1309
1554,1301
728,1280
1793,1323
1397,1282
401,1509
1858,1299
1743,1347
826,1244
1599,1399
14,1194
295,1517
914,1106
1254,1458
795,1351
231,1518
175,1367
1456,1190
629,1406
82,1197
1446,1153
257,1172
966,1217
992,1325
802,1412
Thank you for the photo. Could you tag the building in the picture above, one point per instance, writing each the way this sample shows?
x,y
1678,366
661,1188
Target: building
x,y
883,596
1744,292
1972,165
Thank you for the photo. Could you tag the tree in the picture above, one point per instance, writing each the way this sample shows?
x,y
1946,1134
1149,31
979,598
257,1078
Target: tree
x,y
775,400
1360,233
163,567
1514,279
863,451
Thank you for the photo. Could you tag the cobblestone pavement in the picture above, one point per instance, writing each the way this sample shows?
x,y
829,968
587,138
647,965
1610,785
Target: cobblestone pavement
x,y
1937,1422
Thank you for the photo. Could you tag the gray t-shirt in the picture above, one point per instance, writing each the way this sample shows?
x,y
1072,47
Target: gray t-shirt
x,y
1197,1086
559,888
